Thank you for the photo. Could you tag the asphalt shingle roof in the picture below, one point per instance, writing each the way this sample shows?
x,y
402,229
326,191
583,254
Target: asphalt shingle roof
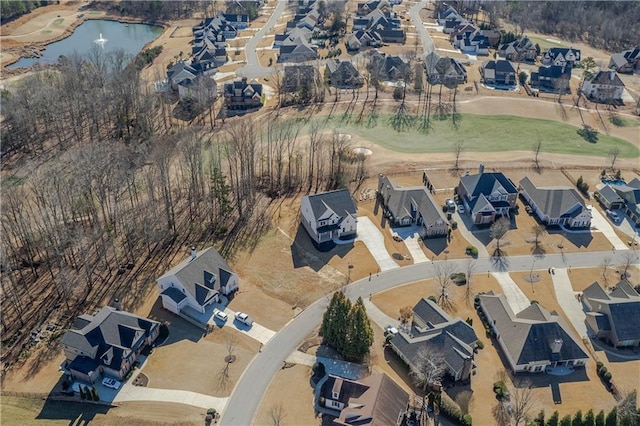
x,y
554,202
624,308
339,201
398,201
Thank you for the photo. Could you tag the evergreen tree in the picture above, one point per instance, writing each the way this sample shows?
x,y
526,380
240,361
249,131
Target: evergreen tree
x,y
360,333
577,419
600,418
94,394
553,419
589,419
81,391
566,420
334,322
612,417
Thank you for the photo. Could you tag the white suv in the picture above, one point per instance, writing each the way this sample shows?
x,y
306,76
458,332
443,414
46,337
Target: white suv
x,y
220,315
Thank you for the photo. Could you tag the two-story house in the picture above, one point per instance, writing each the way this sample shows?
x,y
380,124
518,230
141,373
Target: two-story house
x,y
329,215
487,196
561,56
362,39
533,339
412,206
299,50
522,50
197,282
604,86
444,70
552,78
343,74
106,343
498,73
387,67
556,206
626,62
433,330
242,95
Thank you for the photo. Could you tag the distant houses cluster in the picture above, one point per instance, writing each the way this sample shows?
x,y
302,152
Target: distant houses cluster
x,y
295,43
375,23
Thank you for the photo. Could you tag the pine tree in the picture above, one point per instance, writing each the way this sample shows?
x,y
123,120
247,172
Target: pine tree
x,y
334,322
566,420
577,419
360,333
81,391
612,417
553,419
600,418
589,419
94,394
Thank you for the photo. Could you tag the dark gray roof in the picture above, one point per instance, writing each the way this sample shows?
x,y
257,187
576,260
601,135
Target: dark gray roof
x,y
174,294
554,202
553,52
398,201
624,308
338,201
595,291
429,312
442,69
609,194
487,183
501,66
529,340
83,364
480,203
606,78
207,272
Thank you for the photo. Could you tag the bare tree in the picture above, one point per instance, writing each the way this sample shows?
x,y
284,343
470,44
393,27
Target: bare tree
x,y
537,147
606,263
277,414
628,259
628,409
522,400
458,147
500,414
498,231
429,368
614,153
470,266
443,272
537,231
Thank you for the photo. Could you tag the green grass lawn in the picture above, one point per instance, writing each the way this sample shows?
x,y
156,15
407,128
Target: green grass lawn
x,y
545,44
58,21
484,133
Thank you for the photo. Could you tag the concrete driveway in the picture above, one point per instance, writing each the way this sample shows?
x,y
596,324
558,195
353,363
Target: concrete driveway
x,y
139,393
515,297
568,301
601,224
411,238
371,236
256,331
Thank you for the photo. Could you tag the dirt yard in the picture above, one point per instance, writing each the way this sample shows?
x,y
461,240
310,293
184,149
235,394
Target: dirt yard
x,y
291,394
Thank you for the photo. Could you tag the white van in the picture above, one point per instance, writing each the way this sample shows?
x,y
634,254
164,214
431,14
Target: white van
x,y
220,315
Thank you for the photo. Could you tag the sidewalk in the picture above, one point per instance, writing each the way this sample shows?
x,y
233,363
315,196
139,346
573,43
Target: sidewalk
x,y
377,316
568,301
516,298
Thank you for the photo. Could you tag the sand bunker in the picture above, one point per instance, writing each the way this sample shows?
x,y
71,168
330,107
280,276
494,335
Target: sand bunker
x,y
363,151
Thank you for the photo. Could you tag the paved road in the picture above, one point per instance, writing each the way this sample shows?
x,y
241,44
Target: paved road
x,y
253,69
427,43
253,384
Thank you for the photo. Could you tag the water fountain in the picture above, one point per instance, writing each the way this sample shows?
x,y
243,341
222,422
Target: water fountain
x,y
101,41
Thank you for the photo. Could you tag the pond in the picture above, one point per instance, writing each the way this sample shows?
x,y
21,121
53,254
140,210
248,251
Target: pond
x,y
109,35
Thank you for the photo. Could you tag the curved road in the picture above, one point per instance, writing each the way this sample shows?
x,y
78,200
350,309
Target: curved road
x,y
427,42
253,69
247,395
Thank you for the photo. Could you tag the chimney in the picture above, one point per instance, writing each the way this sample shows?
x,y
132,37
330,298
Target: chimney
x,y
193,252
612,74
116,304
337,387
481,168
244,79
556,346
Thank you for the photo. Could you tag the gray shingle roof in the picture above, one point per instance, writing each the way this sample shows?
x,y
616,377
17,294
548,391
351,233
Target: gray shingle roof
x,y
196,275
529,340
175,294
609,78
609,194
624,308
339,201
554,202
398,201
487,183
429,312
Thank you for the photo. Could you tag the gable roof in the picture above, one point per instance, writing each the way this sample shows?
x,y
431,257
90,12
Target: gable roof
x,y
624,308
609,78
207,272
609,194
487,183
554,52
338,201
398,201
554,202
529,335
442,69
500,66
429,312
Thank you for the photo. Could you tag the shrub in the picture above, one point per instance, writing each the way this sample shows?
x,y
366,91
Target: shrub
x,y
449,408
94,394
458,278
480,344
469,321
212,411
607,376
397,93
445,209
433,299
599,365
466,420
454,225
500,388
602,370
318,370
472,250
534,302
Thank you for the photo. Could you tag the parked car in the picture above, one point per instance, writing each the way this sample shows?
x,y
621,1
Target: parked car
x,y
220,315
613,215
111,383
244,318
451,205
461,209
390,329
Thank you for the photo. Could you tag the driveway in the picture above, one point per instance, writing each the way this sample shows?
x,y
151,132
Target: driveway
x,y
515,297
464,225
256,331
411,238
253,69
371,236
377,316
567,299
139,393
601,224
427,43
332,366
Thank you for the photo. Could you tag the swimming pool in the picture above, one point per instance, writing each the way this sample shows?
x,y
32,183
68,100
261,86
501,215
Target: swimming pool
x,y
616,182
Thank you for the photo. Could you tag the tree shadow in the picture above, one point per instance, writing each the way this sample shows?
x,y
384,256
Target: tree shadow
x,y
435,245
73,412
499,260
588,133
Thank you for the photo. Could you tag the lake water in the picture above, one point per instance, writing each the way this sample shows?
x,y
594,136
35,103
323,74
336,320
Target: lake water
x,y
129,37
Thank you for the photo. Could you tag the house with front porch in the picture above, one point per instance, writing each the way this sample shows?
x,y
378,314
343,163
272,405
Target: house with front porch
x,y
197,282
107,343
487,196
432,329
630,194
329,215
412,206
533,339
556,206
604,86
561,56
614,316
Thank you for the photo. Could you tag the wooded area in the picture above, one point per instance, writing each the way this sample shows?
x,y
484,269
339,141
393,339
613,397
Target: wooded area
x,y
11,9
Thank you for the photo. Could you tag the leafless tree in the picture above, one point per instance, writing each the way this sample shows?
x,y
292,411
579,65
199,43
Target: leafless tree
x,y
537,147
277,415
443,272
537,231
522,400
614,153
606,263
458,148
500,414
628,259
470,266
628,409
430,367
498,230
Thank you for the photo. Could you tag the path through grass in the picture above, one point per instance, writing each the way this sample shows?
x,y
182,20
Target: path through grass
x,y
484,133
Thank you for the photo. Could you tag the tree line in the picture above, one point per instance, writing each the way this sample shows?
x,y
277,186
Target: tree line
x,y
12,9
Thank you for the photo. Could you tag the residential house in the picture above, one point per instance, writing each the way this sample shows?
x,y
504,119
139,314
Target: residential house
x,y
449,25
299,51
388,35
487,195
365,8
343,74
604,86
626,62
492,35
239,21
533,339
521,50
556,206
473,43
412,206
614,316
561,56
242,95
447,14
498,73
373,400
179,72
298,78
106,343
444,70
197,282
360,23
552,78
383,22
388,67
362,39
434,331
201,88
630,193
461,29
609,198
329,215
